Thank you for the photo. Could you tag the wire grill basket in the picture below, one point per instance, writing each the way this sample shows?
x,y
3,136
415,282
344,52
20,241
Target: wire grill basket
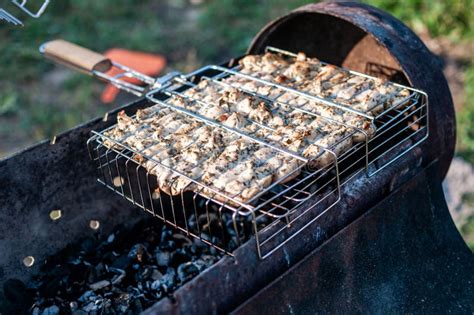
x,y
280,211
23,5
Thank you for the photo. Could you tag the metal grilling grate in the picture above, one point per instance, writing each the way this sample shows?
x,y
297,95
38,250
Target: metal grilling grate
x,y
278,211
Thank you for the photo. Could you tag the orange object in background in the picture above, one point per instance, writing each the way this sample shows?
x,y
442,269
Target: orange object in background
x,y
149,64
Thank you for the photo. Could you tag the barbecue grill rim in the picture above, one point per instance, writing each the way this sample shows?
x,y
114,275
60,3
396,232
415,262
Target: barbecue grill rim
x,y
340,10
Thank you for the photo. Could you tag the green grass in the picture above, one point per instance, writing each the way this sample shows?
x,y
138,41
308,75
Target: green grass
x,y
40,111
237,22
453,18
468,232
99,24
465,119
465,129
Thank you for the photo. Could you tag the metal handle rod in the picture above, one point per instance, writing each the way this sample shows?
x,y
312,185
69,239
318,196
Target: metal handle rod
x,y
98,65
4,15
22,6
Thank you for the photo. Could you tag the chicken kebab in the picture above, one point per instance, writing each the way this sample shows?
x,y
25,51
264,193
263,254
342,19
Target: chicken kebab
x,y
232,137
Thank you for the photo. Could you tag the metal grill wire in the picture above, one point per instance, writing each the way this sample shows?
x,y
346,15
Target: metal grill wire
x,y
6,16
280,212
22,4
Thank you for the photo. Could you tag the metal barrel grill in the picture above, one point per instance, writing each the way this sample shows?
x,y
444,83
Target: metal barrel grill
x,y
348,234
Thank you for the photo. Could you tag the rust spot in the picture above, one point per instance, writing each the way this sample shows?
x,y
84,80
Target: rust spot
x,y
94,224
28,261
55,214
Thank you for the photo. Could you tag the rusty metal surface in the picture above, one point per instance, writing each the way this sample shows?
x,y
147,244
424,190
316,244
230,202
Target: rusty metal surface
x,y
46,177
337,32
403,256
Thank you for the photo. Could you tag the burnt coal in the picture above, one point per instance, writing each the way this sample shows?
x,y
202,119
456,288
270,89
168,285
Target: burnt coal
x,y
52,310
162,257
138,253
122,272
187,271
16,292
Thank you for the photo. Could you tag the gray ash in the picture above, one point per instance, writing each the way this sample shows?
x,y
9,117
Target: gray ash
x,y
124,272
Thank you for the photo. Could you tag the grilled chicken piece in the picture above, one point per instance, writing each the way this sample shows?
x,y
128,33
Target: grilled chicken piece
x,y
250,62
235,120
261,114
240,168
298,71
245,105
363,128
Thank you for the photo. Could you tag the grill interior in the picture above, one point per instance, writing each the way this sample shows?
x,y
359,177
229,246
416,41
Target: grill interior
x,y
279,212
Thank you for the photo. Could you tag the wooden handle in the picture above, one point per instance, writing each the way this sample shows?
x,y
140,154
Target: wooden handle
x,y
75,56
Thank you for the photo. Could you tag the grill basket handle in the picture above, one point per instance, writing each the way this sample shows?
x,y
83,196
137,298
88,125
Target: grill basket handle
x,y
75,56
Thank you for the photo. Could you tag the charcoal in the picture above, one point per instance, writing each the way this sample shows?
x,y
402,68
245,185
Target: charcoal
x,y
205,237
143,273
122,302
162,258
180,256
107,308
199,244
96,273
115,273
99,285
156,285
138,253
187,271
88,295
192,224
90,307
168,279
181,239
123,262
119,275
209,260
192,249
52,310
88,246
79,271
16,292
137,306
73,306
213,250
200,265
232,244
156,275
51,288
166,234
168,245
